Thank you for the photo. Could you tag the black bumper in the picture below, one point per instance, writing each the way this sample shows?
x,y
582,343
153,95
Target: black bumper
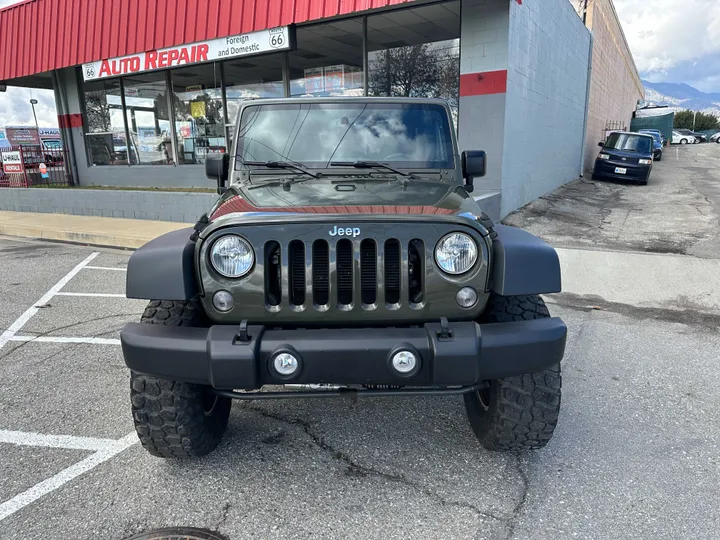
x,y
217,356
634,172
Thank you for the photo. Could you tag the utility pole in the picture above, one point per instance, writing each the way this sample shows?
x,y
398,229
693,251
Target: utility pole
x,y
694,118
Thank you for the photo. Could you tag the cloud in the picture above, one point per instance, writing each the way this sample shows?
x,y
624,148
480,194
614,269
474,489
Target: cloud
x,y
15,108
674,40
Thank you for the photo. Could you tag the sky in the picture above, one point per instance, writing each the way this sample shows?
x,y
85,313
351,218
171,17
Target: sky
x,y
674,40
671,40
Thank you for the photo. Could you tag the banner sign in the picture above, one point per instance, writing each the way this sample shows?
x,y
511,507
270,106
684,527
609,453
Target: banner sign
x,y
262,41
16,136
49,133
12,162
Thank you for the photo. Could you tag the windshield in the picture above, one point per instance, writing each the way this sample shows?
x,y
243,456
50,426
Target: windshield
x,y
630,142
654,135
404,135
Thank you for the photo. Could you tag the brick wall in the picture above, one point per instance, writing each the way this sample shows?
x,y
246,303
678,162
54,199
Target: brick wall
x,y
163,206
548,59
615,86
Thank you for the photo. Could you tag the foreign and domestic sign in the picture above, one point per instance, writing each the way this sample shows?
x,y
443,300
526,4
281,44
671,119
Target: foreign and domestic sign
x,y
12,162
262,41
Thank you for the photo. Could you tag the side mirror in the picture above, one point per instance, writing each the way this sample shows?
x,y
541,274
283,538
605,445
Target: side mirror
x,y
216,168
474,163
601,144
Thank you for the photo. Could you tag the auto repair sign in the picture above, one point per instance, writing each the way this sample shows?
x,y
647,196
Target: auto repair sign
x,y
258,42
12,162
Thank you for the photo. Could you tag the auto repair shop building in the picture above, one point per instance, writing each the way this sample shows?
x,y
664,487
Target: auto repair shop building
x,y
146,89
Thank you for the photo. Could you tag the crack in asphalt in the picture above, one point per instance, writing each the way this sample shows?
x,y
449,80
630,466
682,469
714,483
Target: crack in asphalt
x,y
223,516
511,522
46,333
354,468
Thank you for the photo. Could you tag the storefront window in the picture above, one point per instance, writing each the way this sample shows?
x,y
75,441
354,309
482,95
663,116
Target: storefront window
x,y
148,118
328,60
105,135
199,115
251,78
416,53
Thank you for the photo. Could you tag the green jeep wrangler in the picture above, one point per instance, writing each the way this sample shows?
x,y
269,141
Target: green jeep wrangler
x,y
345,257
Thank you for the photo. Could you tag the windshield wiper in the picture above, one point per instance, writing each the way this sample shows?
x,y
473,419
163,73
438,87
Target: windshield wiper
x,y
368,165
281,165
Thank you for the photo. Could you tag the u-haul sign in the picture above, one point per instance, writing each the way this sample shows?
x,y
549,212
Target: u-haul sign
x,y
12,162
259,42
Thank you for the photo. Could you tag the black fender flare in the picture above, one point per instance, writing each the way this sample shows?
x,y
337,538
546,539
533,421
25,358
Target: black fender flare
x,y
523,264
163,269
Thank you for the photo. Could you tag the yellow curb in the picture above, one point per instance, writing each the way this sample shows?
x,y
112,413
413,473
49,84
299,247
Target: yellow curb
x,y
100,231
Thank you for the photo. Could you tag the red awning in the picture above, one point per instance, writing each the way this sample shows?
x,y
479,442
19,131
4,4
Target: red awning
x,y
41,35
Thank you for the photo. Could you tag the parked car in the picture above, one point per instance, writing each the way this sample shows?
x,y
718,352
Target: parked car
x,y
663,137
657,143
679,138
625,156
715,138
699,137
428,311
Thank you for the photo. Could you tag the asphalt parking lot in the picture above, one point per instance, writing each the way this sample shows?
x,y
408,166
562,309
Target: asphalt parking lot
x,y
636,453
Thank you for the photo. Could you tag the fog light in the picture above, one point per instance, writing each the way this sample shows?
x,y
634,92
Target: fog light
x,y
285,364
223,301
404,362
466,297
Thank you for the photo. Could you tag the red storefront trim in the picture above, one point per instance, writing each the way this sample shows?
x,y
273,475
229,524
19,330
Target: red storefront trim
x,y
481,84
70,121
41,35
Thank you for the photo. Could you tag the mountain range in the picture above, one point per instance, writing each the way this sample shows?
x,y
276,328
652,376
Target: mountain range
x,y
682,96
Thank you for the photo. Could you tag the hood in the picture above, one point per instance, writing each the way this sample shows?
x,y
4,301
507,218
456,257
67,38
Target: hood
x,y
336,196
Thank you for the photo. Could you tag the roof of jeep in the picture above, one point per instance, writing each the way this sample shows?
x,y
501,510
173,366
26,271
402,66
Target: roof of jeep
x,y
343,99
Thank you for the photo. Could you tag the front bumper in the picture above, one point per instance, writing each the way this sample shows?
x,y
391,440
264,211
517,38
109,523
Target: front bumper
x,y
634,172
220,357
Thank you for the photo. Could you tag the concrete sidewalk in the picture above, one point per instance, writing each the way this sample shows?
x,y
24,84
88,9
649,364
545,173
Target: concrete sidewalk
x,y
100,231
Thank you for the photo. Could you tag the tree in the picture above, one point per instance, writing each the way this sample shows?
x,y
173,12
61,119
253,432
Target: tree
x,y
426,70
702,122
97,111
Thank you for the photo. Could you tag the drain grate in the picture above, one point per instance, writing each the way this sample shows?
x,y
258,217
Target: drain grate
x,y
178,533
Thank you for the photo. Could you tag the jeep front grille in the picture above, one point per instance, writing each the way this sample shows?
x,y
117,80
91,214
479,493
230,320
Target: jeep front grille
x,y
345,274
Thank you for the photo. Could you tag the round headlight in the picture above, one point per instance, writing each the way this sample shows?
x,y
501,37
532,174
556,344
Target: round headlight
x,y
456,253
232,256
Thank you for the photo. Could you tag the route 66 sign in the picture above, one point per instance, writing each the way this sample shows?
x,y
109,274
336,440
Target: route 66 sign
x,y
278,37
89,71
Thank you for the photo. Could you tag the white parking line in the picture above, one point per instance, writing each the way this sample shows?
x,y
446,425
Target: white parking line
x,y
31,495
106,295
44,299
63,339
24,438
105,268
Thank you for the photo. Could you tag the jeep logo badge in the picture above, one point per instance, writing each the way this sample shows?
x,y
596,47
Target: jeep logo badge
x,y
339,231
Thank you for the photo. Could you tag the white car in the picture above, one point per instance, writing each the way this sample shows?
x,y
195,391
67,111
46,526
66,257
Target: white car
x,y
679,138
715,138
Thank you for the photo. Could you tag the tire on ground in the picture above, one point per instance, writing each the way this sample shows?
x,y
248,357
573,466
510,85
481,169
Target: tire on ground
x,y
176,419
521,412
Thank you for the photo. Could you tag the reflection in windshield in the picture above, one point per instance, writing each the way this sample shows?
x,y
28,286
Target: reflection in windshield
x,y
628,141
404,135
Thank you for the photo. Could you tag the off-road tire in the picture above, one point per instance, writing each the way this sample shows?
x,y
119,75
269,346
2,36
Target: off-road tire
x,y
521,412
176,419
